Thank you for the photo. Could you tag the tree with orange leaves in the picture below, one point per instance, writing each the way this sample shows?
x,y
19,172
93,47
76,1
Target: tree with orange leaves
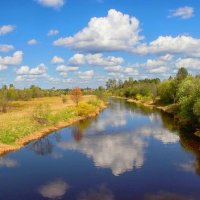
x,y
76,95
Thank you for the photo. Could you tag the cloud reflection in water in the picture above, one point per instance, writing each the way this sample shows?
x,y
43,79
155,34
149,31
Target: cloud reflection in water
x,y
54,189
8,162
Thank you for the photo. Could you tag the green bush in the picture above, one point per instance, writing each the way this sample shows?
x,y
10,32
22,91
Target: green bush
x,y
196,109
84,109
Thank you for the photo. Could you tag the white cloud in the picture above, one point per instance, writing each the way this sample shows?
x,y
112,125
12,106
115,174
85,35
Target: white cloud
x,y
53,32
130,71
51,3
86,74
3,67
116,68
66,69
95,60
101,35
158,70
6,29
6,47
57,60
183,12
182,44
25,73
25,70
54,190
119,71
189,63
32,42
16,59
158,65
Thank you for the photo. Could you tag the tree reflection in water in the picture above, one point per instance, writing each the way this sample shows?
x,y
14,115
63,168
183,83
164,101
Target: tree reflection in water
x,y
42,147
191,144
79,128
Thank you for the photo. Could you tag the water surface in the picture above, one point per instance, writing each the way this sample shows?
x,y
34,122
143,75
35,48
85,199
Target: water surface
x,y
126,153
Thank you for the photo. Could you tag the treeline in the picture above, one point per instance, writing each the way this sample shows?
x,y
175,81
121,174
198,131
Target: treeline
x,y
181,93
10,93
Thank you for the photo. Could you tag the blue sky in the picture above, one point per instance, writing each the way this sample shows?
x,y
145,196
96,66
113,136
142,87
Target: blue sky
x,y
67,43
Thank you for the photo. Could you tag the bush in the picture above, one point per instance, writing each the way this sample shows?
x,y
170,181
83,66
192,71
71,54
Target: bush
x,y
64,99
138,96
94,102
196,109
41,113
85,109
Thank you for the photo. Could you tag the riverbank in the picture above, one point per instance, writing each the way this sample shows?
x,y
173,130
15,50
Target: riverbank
x,y
18,128
169,109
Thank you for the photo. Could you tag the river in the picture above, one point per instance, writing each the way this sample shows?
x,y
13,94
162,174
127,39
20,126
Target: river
x,y
126,153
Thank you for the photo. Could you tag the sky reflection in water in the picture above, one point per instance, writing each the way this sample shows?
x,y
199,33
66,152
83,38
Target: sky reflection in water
x,y
127,152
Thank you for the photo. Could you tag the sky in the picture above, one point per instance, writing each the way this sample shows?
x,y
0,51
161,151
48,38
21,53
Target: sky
x,y
69,43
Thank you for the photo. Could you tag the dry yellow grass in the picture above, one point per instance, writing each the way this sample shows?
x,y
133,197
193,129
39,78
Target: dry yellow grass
x,y
18,121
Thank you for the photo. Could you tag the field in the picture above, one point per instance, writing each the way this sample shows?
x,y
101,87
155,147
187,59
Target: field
x,y
24,117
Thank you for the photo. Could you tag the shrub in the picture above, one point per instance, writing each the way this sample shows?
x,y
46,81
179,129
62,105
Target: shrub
x,y
196,109
84,109
41,113
94,102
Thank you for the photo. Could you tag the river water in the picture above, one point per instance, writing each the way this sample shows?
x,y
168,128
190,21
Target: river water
x,y
126,153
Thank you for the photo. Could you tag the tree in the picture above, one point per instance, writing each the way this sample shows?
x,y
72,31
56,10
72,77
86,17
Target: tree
x,y
167,91
181,74
76,95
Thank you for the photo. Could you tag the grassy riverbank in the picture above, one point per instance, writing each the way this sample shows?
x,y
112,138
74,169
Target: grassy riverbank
x,y
20,126
170,109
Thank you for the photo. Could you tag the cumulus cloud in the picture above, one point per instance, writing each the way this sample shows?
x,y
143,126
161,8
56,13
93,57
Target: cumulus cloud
x,y
183,12
118,70
54,190
32,42
25,73
16,59
51,3
189,63
5,29
95,60
57,60
6,47
101,35
158,65
25,70
86,74
53,32
63,69
185,45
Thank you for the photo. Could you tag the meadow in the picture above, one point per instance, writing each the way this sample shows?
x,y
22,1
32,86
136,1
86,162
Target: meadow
x,y
25,118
